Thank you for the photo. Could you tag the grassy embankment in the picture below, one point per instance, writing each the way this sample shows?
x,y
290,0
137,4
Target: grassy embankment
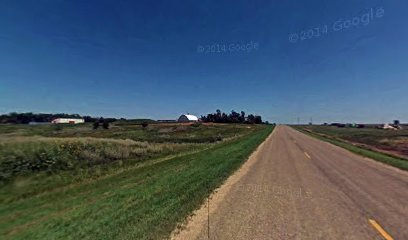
x,y
144,201
360,141
153,133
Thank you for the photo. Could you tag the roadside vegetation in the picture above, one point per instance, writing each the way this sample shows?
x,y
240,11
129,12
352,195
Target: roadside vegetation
x,y
378,144
159,133
26,155
125,182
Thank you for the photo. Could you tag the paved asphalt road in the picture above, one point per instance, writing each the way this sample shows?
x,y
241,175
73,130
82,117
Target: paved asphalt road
x,y
299,187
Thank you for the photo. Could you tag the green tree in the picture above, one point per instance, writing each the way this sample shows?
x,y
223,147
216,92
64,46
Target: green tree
x,y
105,125
145,124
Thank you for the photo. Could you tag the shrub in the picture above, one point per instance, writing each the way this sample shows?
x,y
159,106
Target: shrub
x,y
196,124
38,154
57,127
218,138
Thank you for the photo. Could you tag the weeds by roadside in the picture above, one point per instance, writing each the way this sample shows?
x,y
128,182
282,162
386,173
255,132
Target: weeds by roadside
x,y
24,155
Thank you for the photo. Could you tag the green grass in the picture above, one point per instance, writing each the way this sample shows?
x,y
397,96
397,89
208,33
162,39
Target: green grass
x,y
159,133
145,202
395,161
26,155
42,163
387,140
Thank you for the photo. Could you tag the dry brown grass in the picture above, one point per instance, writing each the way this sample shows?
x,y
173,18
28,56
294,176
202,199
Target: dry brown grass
x,y
27,154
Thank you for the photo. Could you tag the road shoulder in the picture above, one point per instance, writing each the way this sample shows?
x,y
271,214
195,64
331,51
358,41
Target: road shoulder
x,y
196,223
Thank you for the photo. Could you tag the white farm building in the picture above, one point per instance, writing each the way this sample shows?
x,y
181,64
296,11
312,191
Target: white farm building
x,y
187,118
68,120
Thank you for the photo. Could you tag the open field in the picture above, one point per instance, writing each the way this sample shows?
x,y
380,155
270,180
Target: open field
x,y
158,132
125,182
387,146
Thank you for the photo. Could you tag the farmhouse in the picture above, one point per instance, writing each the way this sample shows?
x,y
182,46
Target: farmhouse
x,y
68,120
188,118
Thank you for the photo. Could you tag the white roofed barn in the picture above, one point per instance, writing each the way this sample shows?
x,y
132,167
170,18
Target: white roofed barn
x,y
187,118
68,120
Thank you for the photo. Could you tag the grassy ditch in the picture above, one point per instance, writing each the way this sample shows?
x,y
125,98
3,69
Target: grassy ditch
x,y
26,155
31,165
381,157
139,203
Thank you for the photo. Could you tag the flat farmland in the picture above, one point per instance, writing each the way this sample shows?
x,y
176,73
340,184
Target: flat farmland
x,y
156,132
125,182
392,141
387,146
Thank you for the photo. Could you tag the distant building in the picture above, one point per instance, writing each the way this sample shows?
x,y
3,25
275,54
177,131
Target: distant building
x,y
68,120
397,124
388,126
187,118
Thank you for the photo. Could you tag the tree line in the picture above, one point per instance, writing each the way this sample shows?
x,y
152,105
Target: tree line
x,y
233,117
25,118
217,117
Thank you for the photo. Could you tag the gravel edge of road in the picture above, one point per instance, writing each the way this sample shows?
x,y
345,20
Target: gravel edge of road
x,y
199,219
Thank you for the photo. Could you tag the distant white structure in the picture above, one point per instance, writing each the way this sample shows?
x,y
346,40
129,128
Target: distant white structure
x,y
388,126
68,120
187,118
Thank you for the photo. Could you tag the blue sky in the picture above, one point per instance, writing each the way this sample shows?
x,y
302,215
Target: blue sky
x,y
139,59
